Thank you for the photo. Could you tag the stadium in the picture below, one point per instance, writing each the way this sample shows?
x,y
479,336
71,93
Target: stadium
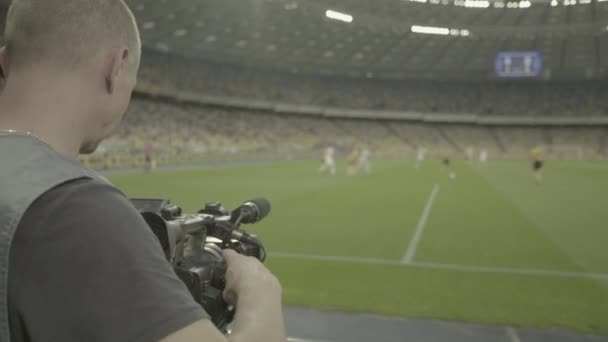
x,y
442,230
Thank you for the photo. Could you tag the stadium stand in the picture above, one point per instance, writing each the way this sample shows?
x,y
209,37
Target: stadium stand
x,y
187,133
196,110
502,98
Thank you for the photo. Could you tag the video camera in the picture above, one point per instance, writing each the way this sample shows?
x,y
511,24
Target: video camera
x,y
193,244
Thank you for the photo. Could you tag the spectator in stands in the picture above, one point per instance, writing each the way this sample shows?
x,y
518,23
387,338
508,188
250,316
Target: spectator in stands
x,y
420,96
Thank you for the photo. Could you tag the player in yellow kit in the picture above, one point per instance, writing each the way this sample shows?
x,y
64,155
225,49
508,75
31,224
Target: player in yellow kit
x,y
352,159
537,155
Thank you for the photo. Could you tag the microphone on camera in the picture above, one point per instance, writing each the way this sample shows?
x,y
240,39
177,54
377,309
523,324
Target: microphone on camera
x,y
251,211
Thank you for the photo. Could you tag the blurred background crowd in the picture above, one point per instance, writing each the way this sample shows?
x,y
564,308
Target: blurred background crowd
x,y
467,97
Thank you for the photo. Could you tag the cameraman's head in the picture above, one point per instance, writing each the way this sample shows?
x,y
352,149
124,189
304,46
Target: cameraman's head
x,y
71,66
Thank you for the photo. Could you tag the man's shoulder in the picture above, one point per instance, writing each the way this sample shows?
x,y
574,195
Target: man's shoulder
x,y
109,274
88,202
82,187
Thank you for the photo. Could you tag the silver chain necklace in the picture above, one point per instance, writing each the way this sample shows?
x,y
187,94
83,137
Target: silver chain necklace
x,y
26,133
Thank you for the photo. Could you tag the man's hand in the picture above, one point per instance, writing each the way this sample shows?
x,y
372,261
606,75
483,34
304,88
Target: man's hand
x,y
256,293
246,278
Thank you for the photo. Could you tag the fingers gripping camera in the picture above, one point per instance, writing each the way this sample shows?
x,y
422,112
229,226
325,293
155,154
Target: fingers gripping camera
x,y
194,244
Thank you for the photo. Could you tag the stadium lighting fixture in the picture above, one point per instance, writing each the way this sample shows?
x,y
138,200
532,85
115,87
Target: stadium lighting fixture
x,y
602,0
584,2
180,33
162,47
431,30
554,3
499,4
465,33
291,6
477,3
422,1
525,4
149,25
347,18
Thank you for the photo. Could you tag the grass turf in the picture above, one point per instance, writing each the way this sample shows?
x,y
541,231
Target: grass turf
x,y
493,216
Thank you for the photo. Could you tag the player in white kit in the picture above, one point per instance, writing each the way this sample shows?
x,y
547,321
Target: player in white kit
x,y
483,156
470,154
420,156
363,163
328,163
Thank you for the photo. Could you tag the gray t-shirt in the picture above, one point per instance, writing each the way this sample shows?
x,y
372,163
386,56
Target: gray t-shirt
x,y
84,266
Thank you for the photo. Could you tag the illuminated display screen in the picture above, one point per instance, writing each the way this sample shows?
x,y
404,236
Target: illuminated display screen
x,y
519,64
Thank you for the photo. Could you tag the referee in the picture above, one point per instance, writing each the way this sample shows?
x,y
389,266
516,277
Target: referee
x,y
537,155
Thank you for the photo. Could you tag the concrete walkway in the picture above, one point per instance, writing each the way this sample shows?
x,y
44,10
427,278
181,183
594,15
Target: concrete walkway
x,y
305,325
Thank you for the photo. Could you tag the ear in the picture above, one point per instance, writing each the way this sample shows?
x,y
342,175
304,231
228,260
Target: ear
x,y
114,66
4,61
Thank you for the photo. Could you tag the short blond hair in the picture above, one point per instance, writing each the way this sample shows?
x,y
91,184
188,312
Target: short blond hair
x,y
68,33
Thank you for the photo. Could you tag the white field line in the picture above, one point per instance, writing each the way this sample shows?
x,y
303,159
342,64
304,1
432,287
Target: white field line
x,y
354,260
512,333
441,266
410,252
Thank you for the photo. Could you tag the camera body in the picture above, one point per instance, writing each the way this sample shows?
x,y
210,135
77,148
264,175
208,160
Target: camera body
x,y
193,244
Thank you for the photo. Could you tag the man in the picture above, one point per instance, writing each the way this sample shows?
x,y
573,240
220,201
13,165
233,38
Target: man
x,y
470,153
328,164
363,163
537,154
149,159
483,156
447,165
420,156
2,80
83,264
352,160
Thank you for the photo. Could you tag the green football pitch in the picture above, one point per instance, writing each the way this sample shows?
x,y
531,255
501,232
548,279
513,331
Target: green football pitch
x,y
489,246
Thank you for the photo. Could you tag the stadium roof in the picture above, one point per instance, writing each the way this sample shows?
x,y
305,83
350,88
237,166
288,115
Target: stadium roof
x,y
388,38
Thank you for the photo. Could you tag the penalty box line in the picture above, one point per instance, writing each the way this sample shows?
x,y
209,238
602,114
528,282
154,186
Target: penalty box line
x,y
410,252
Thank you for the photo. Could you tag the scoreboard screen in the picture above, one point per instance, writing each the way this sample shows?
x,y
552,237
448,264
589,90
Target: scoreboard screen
x,y
518,64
